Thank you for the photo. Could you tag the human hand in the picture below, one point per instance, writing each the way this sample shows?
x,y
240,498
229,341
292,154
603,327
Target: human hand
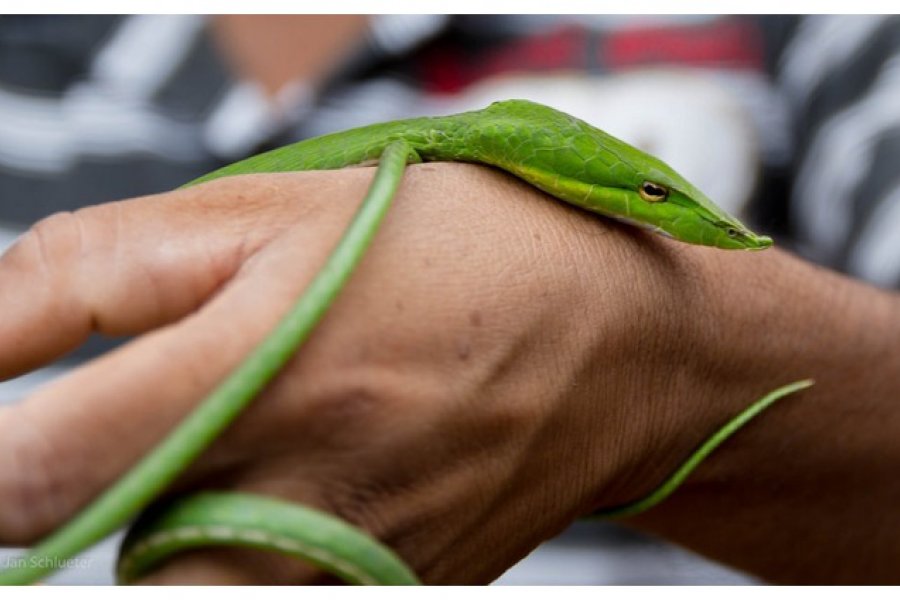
x,y
448,403
499,365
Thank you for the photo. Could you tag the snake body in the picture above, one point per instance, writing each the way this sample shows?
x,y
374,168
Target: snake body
x,y
557,153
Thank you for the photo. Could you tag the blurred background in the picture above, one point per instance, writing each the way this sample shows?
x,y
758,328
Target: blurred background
x,y
793,122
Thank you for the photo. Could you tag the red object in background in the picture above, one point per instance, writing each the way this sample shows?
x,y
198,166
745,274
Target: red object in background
x,y
447,69
730,43
733,43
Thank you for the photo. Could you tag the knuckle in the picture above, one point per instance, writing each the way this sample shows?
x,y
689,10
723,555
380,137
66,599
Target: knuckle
x,y
358,503
357,402
343,416
49,245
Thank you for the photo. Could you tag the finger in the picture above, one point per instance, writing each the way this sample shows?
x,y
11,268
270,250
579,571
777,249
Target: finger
x,y
126,267
74,437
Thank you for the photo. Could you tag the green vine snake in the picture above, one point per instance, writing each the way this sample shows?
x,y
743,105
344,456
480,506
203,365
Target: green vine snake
x,y
559,154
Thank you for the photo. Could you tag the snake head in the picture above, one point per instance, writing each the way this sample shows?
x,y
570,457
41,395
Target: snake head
x,y
635,186
667,203
629,184
681,211
591,169
641,190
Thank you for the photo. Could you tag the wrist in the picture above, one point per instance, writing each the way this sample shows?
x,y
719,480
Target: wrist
x,y
768,319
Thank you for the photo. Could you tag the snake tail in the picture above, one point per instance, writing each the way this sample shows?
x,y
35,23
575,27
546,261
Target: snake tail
x,y
668,487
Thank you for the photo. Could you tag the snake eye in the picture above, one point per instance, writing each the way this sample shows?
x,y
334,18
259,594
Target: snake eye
x,y
652,192
732,232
